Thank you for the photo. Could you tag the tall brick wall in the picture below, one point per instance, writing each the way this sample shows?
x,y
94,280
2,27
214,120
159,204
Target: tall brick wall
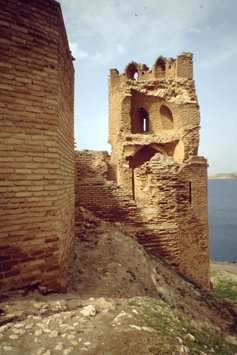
x,y
37,145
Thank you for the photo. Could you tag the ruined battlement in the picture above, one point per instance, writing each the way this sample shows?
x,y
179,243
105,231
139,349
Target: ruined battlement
x,y
161,110
164,69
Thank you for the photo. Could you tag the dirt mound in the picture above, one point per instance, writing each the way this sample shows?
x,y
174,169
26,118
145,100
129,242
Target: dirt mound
x,y
121,300
108,263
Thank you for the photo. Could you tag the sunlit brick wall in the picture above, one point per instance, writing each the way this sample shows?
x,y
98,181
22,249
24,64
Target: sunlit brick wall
x,y
37,152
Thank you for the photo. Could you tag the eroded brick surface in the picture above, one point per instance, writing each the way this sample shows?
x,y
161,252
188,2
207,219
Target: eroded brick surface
x,y
153,184
154,181
37,145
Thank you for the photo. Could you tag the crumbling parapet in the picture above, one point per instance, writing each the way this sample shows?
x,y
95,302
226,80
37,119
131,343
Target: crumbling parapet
x,y
154,123
159,187
163,68
161,108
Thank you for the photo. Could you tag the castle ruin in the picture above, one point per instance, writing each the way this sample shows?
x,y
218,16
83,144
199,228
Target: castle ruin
x,y
154,185
154,181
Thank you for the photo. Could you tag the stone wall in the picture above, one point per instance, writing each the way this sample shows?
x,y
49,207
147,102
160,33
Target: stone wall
x,y
37,145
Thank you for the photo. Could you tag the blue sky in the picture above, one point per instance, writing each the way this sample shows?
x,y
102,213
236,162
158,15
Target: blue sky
x,y
109,34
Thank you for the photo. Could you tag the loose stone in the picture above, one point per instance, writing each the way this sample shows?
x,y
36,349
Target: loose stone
x,y
48,352
29,326
3,328
19,331
59,347
88,311
8,347
38,332
40,325
46,330
19,325
74,343
135,327
53,334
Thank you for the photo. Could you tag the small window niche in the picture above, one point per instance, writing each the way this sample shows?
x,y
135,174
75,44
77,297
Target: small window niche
x,y
143,120
167,121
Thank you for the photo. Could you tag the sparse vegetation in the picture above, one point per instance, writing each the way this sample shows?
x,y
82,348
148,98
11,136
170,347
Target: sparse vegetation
x,y
225,286
133,303
174,329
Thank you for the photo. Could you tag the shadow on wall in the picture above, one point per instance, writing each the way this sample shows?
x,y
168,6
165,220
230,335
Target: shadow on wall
x,y
165,198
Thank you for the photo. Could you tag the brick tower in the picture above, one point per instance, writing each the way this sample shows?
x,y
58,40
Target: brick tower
x,y
154,132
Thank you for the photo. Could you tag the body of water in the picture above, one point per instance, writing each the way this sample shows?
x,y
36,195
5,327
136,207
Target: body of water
x,y
222,215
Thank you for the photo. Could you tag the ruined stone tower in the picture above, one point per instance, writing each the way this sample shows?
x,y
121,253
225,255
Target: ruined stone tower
x,y
154,132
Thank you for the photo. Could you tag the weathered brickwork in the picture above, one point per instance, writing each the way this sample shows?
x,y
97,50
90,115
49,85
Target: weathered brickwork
x,y
154,180
154,184
37,145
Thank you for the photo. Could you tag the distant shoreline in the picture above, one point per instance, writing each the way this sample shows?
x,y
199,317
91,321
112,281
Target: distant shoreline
x,y
224,266
223,262
223,176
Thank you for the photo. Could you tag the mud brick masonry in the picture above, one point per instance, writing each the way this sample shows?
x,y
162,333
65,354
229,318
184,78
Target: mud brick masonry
x,y
154,185
154,182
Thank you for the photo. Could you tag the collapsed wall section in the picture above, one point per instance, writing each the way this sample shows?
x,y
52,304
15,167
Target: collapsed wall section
x,y
162,214
37,145
101,195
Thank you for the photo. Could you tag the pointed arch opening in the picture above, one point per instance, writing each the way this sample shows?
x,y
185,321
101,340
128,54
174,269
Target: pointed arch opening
x,y
138,159
143,155
167,121
131,70
160,64
159,68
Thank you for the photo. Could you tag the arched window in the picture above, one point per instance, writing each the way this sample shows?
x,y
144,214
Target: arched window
x,y
131,70
140,121
159,68
161,64
143,120
167,121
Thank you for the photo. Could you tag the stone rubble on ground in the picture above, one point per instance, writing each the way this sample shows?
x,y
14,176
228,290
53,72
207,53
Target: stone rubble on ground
x,y
49,328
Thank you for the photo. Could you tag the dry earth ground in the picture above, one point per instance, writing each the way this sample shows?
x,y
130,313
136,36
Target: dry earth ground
x,y
122,300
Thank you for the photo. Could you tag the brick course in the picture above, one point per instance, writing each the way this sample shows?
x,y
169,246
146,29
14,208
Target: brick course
x,y
36,145
159,184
